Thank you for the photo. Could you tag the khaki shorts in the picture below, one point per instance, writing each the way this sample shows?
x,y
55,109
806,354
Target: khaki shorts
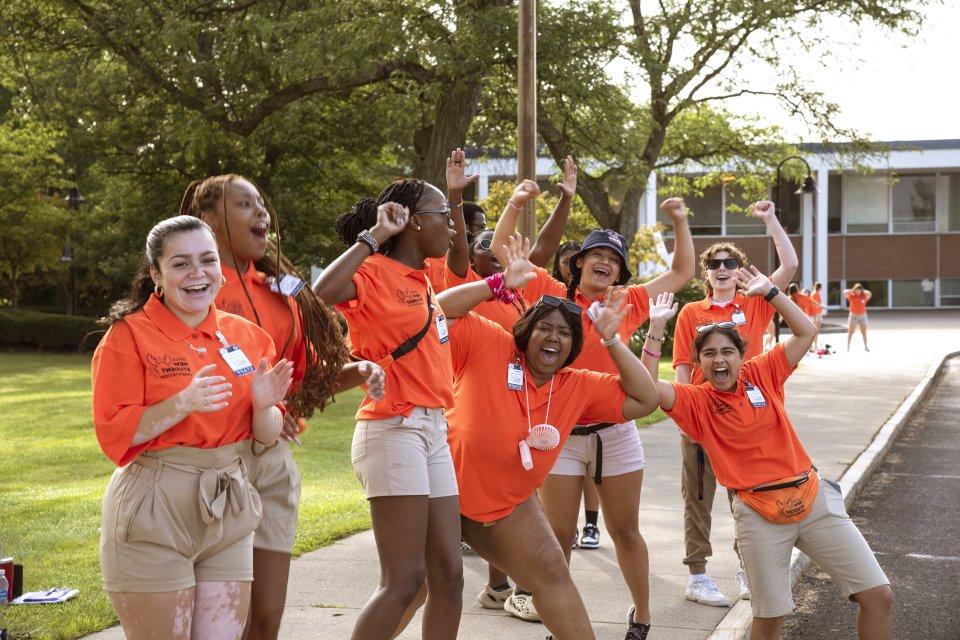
x,y
620,451
857,319
274,475
827,535
176,517
401,456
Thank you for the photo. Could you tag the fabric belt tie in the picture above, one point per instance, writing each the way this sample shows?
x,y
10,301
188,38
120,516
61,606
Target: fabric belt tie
x,y
586,431
218,488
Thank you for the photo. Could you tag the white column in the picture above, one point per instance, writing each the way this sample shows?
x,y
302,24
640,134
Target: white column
x,y
823,199
483,186
648,208
806,221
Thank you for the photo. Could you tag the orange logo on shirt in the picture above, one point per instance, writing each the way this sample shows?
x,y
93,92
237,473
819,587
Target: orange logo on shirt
x,y
231,306
791,508
410,297
719,406
166,366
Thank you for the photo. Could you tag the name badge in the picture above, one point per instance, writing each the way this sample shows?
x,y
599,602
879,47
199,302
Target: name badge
x,y
237,360
755,396
514,377
287,285
442,329
739,317
593,311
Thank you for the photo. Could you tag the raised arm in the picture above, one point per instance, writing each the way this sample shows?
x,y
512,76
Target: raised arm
x,y
548,240
661,311
782,277
458,257
335,284
457,301
507,224
681,270
642,399
804,331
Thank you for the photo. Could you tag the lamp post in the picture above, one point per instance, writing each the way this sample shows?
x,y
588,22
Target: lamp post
x,y
527,107
806,192
74,199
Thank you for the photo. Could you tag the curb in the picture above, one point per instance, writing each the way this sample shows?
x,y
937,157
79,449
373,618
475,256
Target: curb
x,y
736,624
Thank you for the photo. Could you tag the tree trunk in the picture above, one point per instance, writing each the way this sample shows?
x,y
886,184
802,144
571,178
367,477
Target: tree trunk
x,y
455,111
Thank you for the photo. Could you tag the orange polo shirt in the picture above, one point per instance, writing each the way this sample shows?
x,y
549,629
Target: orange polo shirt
x,y
390,307
594,355
815,296
488,420
436,269
505,315
747,446
278,315
806,304
758,315
149,356
858,303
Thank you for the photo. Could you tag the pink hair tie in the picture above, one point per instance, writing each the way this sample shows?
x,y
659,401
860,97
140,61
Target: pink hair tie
x,y
500,291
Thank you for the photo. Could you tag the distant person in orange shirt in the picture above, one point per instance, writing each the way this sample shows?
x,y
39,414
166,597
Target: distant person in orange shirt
x,y
753,318
802,299
517,400
271,294
400,451
857,298
178,388
738,415
817,297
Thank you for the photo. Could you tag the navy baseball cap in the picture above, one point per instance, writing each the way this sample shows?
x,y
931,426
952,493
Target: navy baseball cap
x,y
604,238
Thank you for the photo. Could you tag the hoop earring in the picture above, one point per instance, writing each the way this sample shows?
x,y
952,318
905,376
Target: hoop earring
x,y
157,289
223,280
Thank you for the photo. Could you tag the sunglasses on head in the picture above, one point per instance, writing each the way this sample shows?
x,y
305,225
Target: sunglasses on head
x,y
703,328
556,303
730,263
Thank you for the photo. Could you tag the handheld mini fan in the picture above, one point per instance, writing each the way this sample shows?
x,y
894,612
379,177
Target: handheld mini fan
x,y
543,437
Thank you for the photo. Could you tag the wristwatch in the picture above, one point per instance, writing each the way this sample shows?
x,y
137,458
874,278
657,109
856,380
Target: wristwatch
x,y
773,293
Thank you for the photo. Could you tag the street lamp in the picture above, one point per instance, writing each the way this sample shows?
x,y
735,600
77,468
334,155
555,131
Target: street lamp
x,y
74,199
806,192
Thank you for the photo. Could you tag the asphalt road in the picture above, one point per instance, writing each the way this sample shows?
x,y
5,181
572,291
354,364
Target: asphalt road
x,y
909,512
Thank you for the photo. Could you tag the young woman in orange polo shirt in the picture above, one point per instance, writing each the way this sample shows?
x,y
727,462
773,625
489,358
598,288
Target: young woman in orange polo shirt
x,y
611,452
739,417
178,387
400,450
752,316
516,402
270,293
857,298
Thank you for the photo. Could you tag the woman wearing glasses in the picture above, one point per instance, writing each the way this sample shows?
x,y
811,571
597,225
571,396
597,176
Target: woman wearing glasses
x,y
516,401
400,450
751,316
779,502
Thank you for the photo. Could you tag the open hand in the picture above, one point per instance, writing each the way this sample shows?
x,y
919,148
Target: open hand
x,y
374,378
662,310
675,208
518,270
752,282
613,312
457,178
568,186
526,190
270,386
205,393
764,209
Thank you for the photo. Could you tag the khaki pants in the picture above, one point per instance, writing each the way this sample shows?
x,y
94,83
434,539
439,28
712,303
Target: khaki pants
x,y
696,512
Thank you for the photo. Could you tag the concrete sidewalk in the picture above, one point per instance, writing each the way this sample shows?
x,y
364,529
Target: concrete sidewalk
x,y
837,403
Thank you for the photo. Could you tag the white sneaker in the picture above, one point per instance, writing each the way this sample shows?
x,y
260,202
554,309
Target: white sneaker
x,y
490,598
744,584
704,590
520,605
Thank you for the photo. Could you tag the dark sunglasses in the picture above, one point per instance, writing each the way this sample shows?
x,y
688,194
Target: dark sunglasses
x,y
556,303
703,328
485,244
730,263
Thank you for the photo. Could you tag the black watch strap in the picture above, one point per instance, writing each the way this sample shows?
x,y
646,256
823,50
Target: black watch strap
x,y
773,293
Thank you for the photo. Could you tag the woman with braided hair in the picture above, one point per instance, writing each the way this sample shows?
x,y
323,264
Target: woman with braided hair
x,y
400,451
261,285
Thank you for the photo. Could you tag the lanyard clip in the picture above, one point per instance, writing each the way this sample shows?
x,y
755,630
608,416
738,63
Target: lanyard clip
x,y
222,340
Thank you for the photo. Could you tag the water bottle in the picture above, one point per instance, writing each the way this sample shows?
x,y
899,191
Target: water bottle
x,y
4,589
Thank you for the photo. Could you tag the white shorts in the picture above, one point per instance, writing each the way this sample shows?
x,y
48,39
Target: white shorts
x,y
857,319
612,451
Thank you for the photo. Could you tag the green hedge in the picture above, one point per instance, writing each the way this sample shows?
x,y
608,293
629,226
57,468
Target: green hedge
x,y
690,292
33,329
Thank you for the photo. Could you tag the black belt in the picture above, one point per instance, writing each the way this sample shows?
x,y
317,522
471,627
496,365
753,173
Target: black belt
x,y
585,431
785,485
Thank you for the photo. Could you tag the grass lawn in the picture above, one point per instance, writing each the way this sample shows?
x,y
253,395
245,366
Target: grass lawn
x,y
53,474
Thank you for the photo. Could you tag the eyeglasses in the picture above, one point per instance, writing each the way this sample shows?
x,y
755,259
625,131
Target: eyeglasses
x,y
730,263
556,303
445,211
703,328
485,244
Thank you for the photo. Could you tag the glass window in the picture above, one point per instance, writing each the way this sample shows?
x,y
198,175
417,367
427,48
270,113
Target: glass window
x,y
879,293
707,212
950,201
834,202
788,206
913,293
834,290
949,293
865,203
914,203
738,222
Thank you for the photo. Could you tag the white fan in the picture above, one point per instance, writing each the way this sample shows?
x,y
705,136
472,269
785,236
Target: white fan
x,y
544,437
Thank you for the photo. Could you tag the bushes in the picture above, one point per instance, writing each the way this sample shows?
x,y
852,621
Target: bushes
x,y
690,292
32,329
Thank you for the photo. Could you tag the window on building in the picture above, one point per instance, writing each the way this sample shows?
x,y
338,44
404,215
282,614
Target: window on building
x,y
866,203
950,201
949,293
913,293
707,212
914,199
738,222
879,290
834,202
788,206
834,291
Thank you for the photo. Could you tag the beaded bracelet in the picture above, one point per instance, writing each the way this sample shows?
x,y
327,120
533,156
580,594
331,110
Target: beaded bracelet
x,y
499,290
651,353
652,337
612,341
514,205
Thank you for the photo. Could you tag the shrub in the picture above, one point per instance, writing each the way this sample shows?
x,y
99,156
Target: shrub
x,y
33,329
690,292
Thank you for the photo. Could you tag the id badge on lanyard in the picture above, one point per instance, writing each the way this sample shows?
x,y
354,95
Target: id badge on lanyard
x,y
755,396
442,329
514,376
739,317
235,358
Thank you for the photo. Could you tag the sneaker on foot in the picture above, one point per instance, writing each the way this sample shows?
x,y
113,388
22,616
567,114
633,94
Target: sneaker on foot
x,y
591,537
704,590
576,540
490,598
466,550
520,605
744,584
636,630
